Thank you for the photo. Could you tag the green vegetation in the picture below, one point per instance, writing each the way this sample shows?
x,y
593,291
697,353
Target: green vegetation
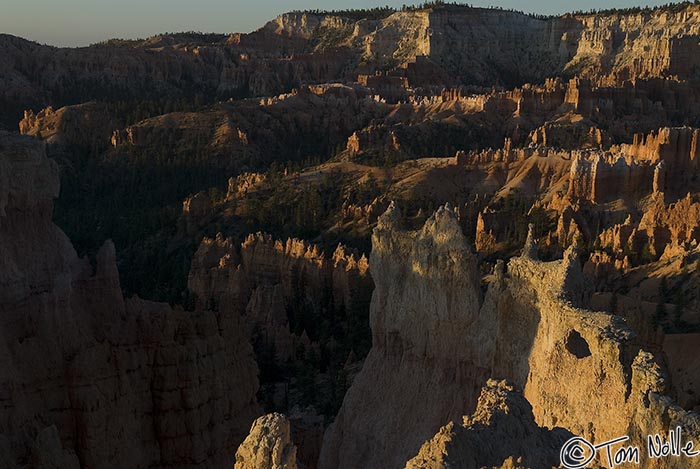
x,y
134,196
290,210
329,37
185,37
677,294
379,13
133,193
613,303
678,309
672,7
132,111
354,14
135,199
660,315
315,374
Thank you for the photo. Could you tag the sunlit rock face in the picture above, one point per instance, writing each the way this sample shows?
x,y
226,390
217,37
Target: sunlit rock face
x,y
90,379
500,433
579,369
423,369
487,46
268,445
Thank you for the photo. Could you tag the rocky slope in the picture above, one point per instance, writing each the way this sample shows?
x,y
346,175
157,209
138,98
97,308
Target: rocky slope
x,y
171,68
90,379
183,153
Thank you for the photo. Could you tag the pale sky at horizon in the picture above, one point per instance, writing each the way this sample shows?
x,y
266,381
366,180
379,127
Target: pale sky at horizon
x,y
83,22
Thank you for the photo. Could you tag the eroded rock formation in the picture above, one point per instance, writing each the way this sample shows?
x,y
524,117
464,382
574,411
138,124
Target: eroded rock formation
x,y
675,154
664,231
441,43
268,445
424,307
370,108
90,379
501,433
580,370
263,278
87,126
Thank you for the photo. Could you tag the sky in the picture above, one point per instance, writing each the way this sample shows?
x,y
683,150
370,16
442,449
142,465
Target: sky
x,y
76,23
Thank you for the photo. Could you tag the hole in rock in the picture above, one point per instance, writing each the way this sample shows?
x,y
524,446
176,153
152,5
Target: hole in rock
x,y
577,345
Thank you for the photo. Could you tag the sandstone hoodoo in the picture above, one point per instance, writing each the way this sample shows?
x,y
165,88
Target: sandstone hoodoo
x,y
425,304
434,236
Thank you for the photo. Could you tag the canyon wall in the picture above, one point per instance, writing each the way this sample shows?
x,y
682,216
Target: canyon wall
x,y
90,379
490,45
597,189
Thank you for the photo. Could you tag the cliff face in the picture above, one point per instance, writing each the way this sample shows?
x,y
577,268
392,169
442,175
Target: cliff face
x,y
483,46
633,46
584,371
90,378
676,154
662,161
481,41
580,370
596,189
